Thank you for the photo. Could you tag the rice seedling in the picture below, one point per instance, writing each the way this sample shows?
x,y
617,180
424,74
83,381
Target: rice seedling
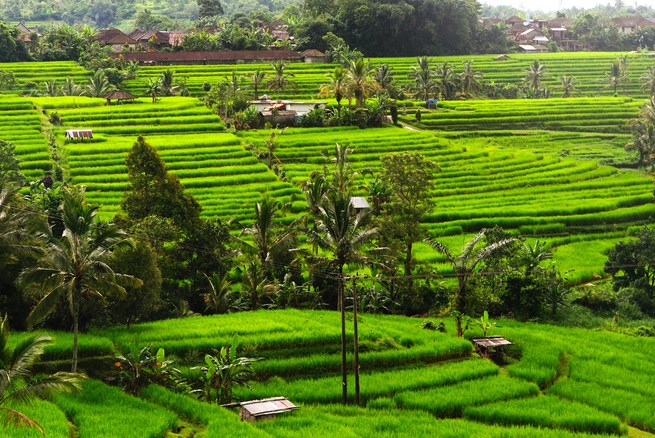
x,y
547,411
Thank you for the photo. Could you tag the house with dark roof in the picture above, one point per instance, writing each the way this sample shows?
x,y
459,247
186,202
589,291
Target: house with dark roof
x,y
203,58
313,55
116,39
25,33
631,24
152,39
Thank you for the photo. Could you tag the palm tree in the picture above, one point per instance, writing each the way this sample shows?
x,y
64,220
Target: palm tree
x,y
360,83
16,383
424,84
446,80
337,87
99,85
257,80
342,232
266,241
76,265
217,300
568,85
153,88
615,77
70,88
384,76
166,81
51,88
314,189
16,224
648,80
281,78
464,266
533,76
469,79
256,285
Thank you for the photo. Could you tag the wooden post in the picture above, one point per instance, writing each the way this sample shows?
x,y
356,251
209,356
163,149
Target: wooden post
x,y
356,340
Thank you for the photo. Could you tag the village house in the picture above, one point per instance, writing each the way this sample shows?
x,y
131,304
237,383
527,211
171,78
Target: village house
x,y
152,39
25,33
117,40
631,24
313,55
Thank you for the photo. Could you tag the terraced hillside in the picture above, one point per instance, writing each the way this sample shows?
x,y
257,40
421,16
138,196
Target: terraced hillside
x,y
190,139
589,70
560,382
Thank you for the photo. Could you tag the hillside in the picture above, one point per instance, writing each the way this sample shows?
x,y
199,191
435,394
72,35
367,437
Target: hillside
x,y
556,382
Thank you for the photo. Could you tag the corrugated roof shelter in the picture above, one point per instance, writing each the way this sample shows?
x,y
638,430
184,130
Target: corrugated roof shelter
x,y
256,410
359,203
484,346
74,134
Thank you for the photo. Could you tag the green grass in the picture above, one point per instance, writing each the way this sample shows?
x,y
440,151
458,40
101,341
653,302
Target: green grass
x,y
547,411
103,411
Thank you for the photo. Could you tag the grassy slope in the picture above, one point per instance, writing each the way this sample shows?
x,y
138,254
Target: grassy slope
x,y
572,365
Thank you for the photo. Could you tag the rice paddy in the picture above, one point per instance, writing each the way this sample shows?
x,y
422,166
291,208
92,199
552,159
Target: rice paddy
x,y
598,383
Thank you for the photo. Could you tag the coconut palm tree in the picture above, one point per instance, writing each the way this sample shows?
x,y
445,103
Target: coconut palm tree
x,y
257,80
98,85
424,84
166,81
70,88
16,225
337,87
51,88
281,79
218,299
446,80
342,232
533,76
264,235
648,80
464,266
469,79
153,88
76,265
384,76
315,189
16,381
359,80
568,85
615,77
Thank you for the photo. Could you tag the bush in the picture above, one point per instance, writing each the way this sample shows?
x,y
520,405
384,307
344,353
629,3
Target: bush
x,y
313,119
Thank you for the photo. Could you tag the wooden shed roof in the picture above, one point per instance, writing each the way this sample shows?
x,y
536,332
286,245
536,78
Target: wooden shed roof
x,y
491,341
268,406
120,95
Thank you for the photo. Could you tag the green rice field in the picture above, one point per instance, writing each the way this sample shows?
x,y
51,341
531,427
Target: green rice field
x,y
558,382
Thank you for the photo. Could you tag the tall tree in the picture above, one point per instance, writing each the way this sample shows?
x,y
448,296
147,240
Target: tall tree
x,y
256,81
281,79
410,179
76,265
533,77
337,87
154,191
209,8
360,82
446,80
342,232
464,267
423,75
469,79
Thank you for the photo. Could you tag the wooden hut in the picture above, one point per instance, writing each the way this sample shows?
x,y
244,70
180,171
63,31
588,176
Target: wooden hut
x,y
256,410
120,96
78,134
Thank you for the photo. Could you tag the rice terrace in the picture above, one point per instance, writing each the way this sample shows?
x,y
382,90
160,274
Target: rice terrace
x,y
526,215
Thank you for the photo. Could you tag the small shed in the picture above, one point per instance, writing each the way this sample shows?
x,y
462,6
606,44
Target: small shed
x,y
313,55
256,410
485,346
74,134
120,96
359,203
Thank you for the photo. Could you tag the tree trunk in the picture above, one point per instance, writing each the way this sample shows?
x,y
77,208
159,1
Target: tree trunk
x,y
342,309
76,317
356,342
